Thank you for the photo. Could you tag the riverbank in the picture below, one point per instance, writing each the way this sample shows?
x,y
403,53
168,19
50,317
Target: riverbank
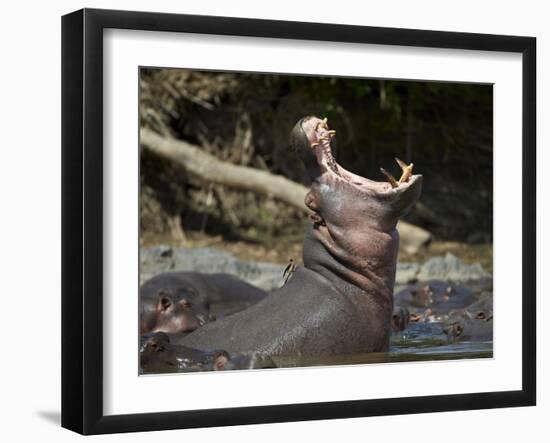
x,y
286,248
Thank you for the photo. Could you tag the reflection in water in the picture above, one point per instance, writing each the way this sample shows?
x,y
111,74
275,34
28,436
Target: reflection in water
x,y
403,349
453,351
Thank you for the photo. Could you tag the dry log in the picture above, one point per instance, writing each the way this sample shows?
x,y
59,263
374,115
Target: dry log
x,y
208,168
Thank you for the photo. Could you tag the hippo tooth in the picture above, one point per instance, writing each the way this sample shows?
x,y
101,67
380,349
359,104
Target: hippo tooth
x,y
407,170
332,132
390,178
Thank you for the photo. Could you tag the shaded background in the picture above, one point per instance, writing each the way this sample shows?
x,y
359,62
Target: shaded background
x,y
444,128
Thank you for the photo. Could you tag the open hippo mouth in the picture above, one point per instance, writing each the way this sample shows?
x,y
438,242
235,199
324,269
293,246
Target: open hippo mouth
x,y
319,136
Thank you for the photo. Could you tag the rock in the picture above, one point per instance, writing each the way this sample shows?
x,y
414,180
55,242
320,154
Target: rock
x,y
153,261
450,268
412,238
269,276
406,273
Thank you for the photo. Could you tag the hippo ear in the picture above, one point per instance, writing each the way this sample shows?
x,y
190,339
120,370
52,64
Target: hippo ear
x,y
220,360
165,301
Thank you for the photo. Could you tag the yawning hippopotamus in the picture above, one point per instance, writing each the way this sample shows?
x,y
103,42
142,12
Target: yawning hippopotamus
x,y
341,301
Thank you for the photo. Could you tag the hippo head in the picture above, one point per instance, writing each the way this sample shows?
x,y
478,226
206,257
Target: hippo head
x,y
158,354
178,314
346,199
353,236
473,322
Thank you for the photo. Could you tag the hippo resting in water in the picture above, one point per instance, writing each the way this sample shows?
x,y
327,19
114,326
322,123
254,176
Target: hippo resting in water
x,y
158,354
341,301
475,322
183,301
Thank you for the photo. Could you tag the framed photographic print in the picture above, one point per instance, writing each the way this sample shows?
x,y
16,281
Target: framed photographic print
x,y
269,221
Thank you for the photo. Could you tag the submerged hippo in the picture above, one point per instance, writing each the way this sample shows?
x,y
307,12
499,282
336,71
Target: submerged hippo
x,y
341,301
437,296
400,319
157,354
183,301
475,322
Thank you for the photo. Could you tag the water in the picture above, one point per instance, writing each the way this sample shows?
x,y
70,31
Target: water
x,y
408,347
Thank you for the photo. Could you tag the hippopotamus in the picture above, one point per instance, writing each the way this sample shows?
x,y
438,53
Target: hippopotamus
x,y
341,300
475,322
400,319
438,296
183,301
157,354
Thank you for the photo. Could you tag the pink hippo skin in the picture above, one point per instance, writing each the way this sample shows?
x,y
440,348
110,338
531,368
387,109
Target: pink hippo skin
x,y
341,301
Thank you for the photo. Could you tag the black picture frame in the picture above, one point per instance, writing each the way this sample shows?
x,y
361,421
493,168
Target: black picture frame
x,y
82,220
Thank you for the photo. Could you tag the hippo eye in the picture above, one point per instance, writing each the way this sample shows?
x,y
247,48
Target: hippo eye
x,y
185,303
155,347
481,316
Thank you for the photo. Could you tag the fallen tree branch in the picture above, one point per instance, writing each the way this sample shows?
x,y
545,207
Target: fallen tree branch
x,y
209,168
206,167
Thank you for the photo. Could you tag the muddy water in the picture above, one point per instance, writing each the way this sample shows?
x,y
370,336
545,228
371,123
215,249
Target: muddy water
x,y
420,343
